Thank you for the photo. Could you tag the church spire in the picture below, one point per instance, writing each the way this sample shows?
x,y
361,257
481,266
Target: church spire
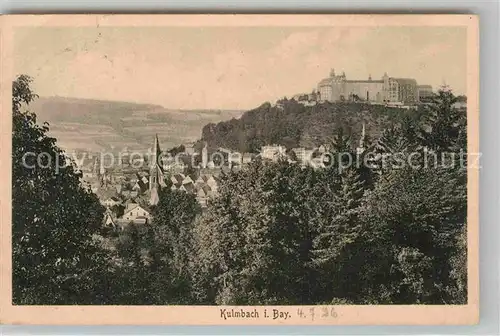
x,y
156,171
156,149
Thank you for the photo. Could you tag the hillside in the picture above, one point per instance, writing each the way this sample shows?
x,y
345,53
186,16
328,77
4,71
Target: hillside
x,y
295,125
98,125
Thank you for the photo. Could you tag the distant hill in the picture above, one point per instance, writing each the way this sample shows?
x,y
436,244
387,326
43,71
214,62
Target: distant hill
x,y
97,125
294,125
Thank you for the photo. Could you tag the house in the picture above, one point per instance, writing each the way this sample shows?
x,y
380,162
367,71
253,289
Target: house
x,y
87,174
206,179
189,149
135,211
204,191
178,168
323,148
121,223
136,161
303,155
174,166
133,179
187,180
461,105
177,178
211,181
188,187
129,203
126,193
225,169
247,158
202,179
317,163
140,186
109,221
111,202
235,158
225,150
308,102
272,152
203,194
299,152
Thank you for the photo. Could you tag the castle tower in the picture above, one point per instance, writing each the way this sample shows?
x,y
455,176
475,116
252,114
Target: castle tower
x,y
385,88
332,73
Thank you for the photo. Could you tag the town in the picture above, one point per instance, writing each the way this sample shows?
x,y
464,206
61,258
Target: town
x,y
232,166
128,187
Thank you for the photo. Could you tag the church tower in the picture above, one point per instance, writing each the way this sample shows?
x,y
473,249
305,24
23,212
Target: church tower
x,y
156,176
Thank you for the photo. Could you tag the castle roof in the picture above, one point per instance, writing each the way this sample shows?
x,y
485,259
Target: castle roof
x,y
325,81
406,81
363,81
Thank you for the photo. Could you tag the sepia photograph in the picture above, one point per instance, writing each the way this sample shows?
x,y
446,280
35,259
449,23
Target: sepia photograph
x,y
242,169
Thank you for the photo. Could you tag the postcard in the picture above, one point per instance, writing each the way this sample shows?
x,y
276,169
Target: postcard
x,y
239,169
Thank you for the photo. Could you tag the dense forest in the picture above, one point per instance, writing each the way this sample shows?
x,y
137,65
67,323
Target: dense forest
x,y
277,233
292,124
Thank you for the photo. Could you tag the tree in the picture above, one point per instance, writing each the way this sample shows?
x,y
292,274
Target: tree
x,y
445,127
118,210
219,247
338,231
255,239
411,223
170,244
132,282
56,259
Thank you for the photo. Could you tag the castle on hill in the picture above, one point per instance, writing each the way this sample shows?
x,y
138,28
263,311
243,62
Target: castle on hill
x,y
404,91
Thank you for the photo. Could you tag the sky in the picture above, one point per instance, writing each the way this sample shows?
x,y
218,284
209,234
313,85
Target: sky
x,y
229,68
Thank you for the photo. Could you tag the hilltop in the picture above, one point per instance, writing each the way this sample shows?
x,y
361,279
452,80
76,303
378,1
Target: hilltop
x,y
292,124
98,125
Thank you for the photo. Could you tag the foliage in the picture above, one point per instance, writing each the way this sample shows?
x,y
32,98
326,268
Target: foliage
x,y
276,233
296,125
256,236
54,218
392,235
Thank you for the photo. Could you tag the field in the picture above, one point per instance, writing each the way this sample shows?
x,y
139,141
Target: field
x,y
93,125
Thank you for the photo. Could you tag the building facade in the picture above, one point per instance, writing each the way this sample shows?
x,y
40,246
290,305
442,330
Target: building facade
x,y
386,90
407,91
424,92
